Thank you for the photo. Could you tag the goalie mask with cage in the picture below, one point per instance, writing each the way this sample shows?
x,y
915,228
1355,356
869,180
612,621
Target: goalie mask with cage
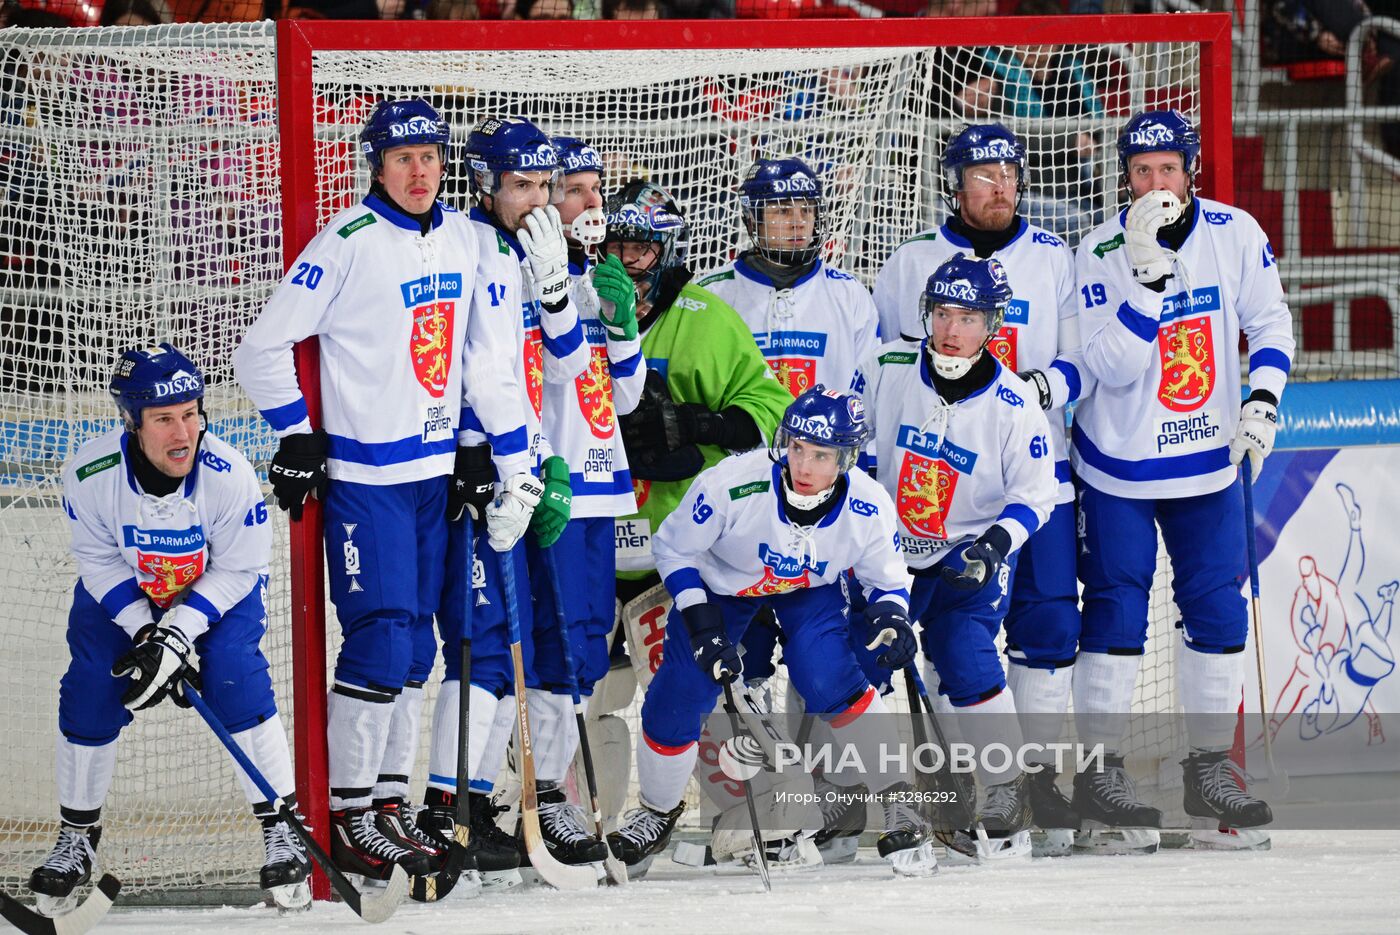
x,y
831,423
968,284
642,212
154,376
575,156
990,150
407,122
1157,131
784,212
500,145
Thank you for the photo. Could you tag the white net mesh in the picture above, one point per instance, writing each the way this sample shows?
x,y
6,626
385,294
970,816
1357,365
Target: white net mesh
x,y
142,203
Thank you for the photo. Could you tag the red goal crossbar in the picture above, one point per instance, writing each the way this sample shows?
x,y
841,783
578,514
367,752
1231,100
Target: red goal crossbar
x,y
298,40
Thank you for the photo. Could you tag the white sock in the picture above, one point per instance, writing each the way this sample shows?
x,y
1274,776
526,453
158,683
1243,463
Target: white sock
x,y
942,707
1103,695
84,774
401,746
356,730
442,753
486,764
1042,698
266,745
556,734
988,723
867,727
1212,685
662,773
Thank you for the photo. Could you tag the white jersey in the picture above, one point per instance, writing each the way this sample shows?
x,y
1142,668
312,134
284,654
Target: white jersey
x,y
817,331
1167,398
580,416
954,470
512,294
395,311
1041,331
731,534
194,554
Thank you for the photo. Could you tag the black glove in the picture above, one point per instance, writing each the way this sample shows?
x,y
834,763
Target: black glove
x,y
981,560
156,665
299,469
653,428
1037,379
888,623
473,484
714,654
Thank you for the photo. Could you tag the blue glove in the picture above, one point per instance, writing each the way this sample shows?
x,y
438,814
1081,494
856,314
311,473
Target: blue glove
x,y
980,560
889,624
714,654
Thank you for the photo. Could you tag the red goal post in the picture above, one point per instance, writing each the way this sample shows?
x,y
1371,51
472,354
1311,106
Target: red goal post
x,y
753,99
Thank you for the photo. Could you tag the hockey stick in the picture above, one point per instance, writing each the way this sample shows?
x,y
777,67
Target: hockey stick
x,y
762,855
615,869
558,875
435,886
1278,779
372,908
84,917
944,780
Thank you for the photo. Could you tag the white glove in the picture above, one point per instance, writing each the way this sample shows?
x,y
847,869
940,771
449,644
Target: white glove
x,y
1254,436
1150,213
542,239
509,514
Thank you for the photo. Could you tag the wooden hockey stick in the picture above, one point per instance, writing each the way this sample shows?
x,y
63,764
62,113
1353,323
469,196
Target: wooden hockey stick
x,y
759,852
88,913
435,886
375,907
558,875
615,869
1278,779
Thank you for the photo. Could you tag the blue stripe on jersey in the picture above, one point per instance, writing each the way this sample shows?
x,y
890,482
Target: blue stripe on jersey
x,y
683,580
625,367
748,272
621,483
121,597
284,417
1021,514
468,421
202,604
1062,472
1192,465
1136,322
876,594
397,218
566,343
511,443
661,365
380,454
1072,378
1270,357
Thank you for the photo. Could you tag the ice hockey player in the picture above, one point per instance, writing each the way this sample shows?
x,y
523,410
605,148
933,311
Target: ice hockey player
x,y
514,176
778,529
1168,285
813,322
171,539
392,389
984,169
963,450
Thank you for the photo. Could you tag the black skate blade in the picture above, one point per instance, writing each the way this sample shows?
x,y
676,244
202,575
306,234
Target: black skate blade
x,y
89,912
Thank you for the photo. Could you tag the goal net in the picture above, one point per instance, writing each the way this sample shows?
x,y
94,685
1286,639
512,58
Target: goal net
x,y
157,180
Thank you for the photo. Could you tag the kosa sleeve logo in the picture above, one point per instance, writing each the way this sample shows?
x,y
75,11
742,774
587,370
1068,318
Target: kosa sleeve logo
x,y
594,390
1186,348
429,301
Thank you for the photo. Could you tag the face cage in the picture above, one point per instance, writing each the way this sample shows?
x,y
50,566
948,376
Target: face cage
x,y
821,230
995,319
952,180
665,255
845,458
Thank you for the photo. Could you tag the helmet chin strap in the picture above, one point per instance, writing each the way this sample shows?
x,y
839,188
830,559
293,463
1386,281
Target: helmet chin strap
x,y
953,368
800,502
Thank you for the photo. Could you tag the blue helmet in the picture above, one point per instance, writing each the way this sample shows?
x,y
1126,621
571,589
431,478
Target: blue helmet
x,y
408,122
154,376
510,144
1155,131
577,156
774,181
832,418
967,282
644,212
976,145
